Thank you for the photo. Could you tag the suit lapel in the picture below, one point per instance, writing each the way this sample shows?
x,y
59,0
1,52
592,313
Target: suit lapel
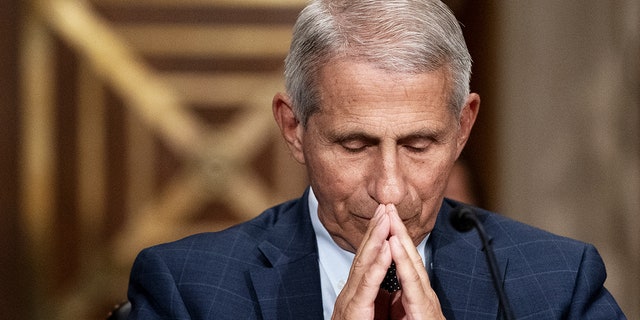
x,y
462,279
287,285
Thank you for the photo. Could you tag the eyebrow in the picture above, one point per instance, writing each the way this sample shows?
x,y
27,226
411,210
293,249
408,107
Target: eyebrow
x,y
353,136
424,134
429,135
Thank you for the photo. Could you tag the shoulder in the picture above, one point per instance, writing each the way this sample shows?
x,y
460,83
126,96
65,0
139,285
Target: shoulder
x,y
566,273
530,246
508,233
542,256
237,244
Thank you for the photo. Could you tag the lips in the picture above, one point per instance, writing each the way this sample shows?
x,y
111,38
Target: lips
x,y
362,217
368,217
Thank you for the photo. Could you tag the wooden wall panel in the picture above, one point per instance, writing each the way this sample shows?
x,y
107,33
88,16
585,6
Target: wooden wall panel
x,y
145,121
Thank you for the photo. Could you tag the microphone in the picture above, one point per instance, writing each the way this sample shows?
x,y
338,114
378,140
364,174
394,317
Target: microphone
x,y
464,219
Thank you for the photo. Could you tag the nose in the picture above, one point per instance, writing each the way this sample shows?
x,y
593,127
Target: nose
x,y
387,183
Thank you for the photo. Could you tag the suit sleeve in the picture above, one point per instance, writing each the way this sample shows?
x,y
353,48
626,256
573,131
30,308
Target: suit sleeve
x,y
591,300
152,289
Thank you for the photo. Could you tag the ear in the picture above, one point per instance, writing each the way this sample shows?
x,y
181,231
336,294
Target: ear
x,y
290,128
467,119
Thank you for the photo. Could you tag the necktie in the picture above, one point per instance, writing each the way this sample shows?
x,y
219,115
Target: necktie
x,y
390,282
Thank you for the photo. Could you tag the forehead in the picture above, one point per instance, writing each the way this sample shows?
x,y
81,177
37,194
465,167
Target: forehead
x,y
347,86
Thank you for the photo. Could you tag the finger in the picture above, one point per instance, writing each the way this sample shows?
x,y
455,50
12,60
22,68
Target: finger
x,y
376,234
370,262
377,228
398,229
413,276
369,284
418,298
409,264
357,299
373,241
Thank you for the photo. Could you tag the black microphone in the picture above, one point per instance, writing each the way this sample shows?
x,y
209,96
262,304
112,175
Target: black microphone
x,y
464,219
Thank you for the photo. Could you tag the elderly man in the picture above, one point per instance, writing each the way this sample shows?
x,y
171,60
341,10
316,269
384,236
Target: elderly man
x,y
378,109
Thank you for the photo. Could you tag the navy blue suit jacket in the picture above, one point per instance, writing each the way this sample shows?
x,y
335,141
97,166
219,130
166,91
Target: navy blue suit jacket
x,y
267,268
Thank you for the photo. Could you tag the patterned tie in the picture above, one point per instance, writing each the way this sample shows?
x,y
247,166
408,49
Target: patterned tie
x,y
390,282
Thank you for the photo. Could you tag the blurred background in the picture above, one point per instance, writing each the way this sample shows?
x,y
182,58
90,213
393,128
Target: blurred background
x,y
126,123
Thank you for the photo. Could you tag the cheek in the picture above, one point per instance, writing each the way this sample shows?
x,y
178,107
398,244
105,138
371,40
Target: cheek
x,y
430,177
338,182
333,174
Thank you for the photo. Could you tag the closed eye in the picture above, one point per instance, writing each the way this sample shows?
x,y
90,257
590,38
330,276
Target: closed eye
x,y
355,146
417,148
417,144
355,143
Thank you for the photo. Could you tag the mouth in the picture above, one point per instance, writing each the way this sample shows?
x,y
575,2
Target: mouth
x,y
367,218
361,217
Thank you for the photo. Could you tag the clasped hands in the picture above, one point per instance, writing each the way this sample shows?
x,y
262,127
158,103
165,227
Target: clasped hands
x,y
387,240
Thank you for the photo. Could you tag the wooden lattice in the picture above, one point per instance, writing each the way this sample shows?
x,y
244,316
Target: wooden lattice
x,y
189,91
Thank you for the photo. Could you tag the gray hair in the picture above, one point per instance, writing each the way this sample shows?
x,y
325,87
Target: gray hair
x,y
405,36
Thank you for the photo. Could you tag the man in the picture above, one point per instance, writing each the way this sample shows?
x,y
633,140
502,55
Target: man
x,y
378,109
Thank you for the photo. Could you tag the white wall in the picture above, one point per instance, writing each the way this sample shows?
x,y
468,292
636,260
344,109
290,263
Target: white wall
x,y
568,126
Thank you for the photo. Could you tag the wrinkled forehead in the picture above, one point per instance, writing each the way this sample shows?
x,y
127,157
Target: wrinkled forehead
x,y
351,81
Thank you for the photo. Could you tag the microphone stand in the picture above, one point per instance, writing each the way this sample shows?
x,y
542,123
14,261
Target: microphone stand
x,y
465,219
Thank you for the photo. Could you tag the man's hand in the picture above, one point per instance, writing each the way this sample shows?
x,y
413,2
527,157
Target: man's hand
x,y
387,239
